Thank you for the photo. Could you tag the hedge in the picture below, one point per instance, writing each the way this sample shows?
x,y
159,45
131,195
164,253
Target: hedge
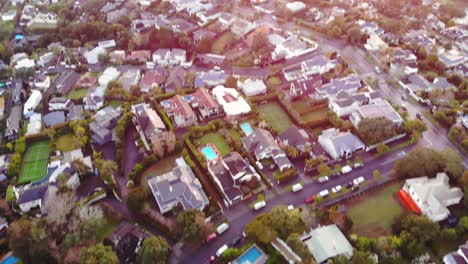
x,y
285,175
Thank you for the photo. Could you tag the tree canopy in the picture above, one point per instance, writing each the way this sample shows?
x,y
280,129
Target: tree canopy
x,y
98,254
154,250
376,130
191,226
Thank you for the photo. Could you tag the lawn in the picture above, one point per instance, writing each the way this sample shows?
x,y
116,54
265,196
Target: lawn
x,y
222,43
375,214
115,103
218,140
77,94
65,143
235,135
317,116
274,115
35,162
163,166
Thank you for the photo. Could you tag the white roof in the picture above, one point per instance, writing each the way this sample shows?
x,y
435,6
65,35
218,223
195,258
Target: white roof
x,y
32,102
295,6
108,75
25,63
233,104
92,56
328,242
252,87
107,44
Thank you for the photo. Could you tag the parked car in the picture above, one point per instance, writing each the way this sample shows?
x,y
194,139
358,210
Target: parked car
x,y
336,189
404,97
290,207
297,187
377,70
259,165
358,164
403,106
259,205
210,237
236,241
349,185
221,250
310,199
420,116
222,228
358,181
323,193
323,179
211,259
346,169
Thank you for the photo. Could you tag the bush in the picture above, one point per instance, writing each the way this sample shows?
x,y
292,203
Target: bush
x,y
382,149
285,175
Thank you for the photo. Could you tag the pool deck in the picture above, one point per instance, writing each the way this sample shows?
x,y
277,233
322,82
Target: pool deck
x,y
262,259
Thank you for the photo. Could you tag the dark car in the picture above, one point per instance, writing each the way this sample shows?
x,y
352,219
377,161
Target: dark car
x,y
349,185
419,116
236,241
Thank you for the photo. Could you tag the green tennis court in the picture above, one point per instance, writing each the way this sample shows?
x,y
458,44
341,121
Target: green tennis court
x,y
35,162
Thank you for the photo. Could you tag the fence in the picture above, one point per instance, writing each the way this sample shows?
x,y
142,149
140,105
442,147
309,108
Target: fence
x,y
395,138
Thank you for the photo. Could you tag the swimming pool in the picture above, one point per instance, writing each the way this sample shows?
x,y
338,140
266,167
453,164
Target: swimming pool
x,y
209,153
250,256
246,128
19,36
10,260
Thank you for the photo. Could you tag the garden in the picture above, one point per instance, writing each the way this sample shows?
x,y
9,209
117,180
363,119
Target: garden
x,y
275,116
65,143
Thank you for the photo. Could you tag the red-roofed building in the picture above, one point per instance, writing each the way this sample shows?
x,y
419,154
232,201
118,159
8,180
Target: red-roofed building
x,y
153,79
141,56
206,105
179,111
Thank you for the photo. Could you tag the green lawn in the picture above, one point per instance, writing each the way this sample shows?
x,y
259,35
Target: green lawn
x,y
163,166
375,214
222,43
115,103
274,115
235,135
35,162
320,115
77,94
218,140
65,143
300,106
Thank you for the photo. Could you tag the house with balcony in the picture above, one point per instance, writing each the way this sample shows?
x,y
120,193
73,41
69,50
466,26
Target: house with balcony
x,y
179,111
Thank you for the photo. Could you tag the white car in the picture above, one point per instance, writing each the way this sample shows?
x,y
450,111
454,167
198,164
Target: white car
x,y
259,165
323,179
377,70
222,228
358,164
221,250
336,189
297,187
346,169
358,181
290,207
259,205
323,193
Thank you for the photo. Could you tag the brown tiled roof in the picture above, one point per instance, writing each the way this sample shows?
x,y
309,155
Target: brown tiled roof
x,y
204,99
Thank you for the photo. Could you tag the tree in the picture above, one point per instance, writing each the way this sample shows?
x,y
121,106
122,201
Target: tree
x,y
80,167
154,250
414,125
231,82
376,130
324,170
294,241
20,145
58,207
191,226
136,198
107,170
417,232
260,40
420,162
98,254
103,58
453,163
291,152
382,148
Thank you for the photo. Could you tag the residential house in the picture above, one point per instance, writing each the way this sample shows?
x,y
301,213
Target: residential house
x,y
32,198
204,104
229,98
107,44
153,79
415,84
210,78
262,144
9,15
87,81
139,56
211,59
452,58
32,102
179,186
25,64
456,32
305,86
458,257
46,58
402,61
297,138
175,80
117,56
295,7
375,43
43,20
430,197
92,56
251,87
241,27
103,124
442,83
161,56
59,103
75,112
179,111
177,57
126,240
316,65
34,124
344,103
327,242
229,173
289,48
13,123
349,84
54,118
93,102
339,144
130,78
110,74
148,124
42,82
379,108
202,33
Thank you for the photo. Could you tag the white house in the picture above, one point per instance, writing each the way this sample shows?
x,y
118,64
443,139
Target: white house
x,y
92,56
32,102
177,57
375,43
110,74
161,56
380,108
295,6
252,87
42,82
107,44
327,242
9,15
433,196
339,144
32,197
59,103
233,104
25,64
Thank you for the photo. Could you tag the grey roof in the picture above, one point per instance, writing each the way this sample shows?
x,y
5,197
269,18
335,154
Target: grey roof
x,y
454,258
418,82
104,121
75,112
54,118
33,194
178,186
328,242
442,83
59,100
13,122
295,137
230,188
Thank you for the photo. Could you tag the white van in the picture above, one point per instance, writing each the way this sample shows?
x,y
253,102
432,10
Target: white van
x,y
222,228
346,169
259,205
323,193
323,179
221,250
358,181
297,187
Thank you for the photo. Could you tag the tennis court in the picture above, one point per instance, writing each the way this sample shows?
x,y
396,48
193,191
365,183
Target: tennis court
x,y
35,162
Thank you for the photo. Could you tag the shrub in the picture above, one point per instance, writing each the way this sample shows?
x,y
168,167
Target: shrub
x,y
285,175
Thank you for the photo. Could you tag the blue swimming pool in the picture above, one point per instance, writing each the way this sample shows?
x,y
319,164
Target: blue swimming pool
x,y
10,260
250,256
246,128
19,36
209,153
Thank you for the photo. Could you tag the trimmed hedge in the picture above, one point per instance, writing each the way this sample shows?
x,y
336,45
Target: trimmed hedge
x,y
285,175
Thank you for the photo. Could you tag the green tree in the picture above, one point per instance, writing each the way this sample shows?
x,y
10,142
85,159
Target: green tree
x,y
98,254
191,226
375,130
230,254
324,170
417,232
294,241
136,198
453,163
154,250
382,148
414,125
107,170
20,145
420,162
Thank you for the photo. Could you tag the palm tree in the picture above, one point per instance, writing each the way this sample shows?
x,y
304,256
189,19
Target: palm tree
x,y
107,170
80,167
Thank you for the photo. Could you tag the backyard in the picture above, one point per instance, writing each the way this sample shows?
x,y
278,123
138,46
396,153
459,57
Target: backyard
x,y
65,143
218,140
163,166
77,94
274,115
375,213
222,43
316,117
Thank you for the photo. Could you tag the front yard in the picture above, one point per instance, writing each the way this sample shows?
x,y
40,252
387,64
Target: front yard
x,y
275,116
218,140
374,215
